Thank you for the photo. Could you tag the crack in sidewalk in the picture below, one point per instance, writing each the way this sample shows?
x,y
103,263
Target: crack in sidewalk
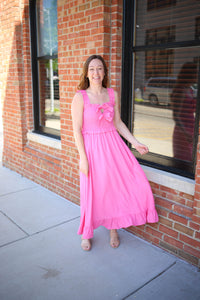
x,y
35,233
149,281
5,215
18,191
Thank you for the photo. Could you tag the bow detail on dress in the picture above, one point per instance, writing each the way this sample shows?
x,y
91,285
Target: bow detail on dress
x,y
105,110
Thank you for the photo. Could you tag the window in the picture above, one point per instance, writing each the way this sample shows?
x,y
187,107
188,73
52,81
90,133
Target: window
x,y
44,43
197,33
156,4
164,81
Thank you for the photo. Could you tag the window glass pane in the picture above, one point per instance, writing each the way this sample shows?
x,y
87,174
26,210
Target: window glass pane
x,y
166,59
165,100
49,93
47,27
165,21
155,4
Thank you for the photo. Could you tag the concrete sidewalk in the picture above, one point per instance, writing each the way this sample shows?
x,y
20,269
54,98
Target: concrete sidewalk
x,y
41,257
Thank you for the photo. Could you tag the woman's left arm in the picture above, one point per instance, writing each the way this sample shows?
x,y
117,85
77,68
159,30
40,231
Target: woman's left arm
x,y
124,131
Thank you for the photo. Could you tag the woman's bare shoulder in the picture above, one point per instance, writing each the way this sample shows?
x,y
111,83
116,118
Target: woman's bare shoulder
x,y
116,96
78,98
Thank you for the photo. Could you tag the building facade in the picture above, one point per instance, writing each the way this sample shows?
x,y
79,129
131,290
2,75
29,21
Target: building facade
x,y
152,50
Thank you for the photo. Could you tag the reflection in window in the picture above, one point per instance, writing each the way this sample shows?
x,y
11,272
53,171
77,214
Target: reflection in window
x,y
159,62
47,27
197,29
165,112
183,105
49,93
166,82
156,4
176,23
160,35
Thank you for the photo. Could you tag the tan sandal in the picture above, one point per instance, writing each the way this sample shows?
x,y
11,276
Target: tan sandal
x,y
114,239
86,245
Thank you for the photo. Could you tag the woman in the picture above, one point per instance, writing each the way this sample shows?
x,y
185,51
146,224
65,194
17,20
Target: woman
x,y
183,104
114,190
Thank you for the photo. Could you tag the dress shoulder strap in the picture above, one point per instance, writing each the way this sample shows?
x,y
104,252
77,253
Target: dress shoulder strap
x,y
84,94
111,95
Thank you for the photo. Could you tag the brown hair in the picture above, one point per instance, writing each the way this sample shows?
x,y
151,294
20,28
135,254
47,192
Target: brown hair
x,y
84,81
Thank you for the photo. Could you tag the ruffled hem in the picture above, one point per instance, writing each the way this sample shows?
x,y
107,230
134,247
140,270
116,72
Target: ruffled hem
x,y
120,222
87,233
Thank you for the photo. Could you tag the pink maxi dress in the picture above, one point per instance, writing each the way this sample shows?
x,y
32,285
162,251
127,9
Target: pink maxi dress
x,y
116,193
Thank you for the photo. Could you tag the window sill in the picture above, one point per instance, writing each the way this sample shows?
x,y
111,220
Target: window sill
x,y
173,181
44,140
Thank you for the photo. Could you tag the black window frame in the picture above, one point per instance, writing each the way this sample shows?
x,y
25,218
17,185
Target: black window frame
x,y
159,4
54,133
151,159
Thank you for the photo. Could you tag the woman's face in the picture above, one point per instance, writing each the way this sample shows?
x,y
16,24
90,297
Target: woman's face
x,y
95,72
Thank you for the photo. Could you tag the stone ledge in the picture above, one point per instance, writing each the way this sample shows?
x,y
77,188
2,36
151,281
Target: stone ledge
x,y
173,181
44,140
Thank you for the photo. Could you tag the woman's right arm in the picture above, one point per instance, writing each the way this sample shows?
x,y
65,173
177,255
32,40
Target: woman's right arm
x,y
77,121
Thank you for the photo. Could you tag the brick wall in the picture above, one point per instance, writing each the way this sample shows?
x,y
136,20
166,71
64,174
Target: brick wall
x,y
178,230
178,227
84,28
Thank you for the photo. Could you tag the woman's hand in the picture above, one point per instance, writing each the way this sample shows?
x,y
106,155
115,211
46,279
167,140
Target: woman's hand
x,y
84,166
141,148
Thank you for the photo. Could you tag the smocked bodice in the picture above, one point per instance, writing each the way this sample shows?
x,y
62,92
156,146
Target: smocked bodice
x,y
98,118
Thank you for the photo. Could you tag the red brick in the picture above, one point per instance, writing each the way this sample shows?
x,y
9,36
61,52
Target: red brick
x,y
159,193
197,196
197,179
162,212
197,188
192,251
196,219
186,196
190,203
197,203
197,235
169,190
188,257
190,241
194,226
178,218
183,229
196,211
183,210
176,198
154,185
173,242
165,221
150,238
164,203
154,232
168,231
